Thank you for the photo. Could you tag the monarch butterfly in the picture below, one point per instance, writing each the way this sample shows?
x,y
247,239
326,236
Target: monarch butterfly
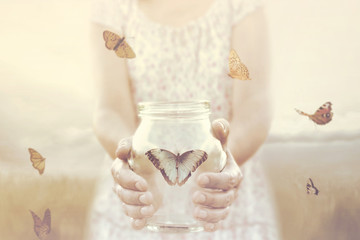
x,y
322,116
37,160
118,44
237,68
176,169
42,228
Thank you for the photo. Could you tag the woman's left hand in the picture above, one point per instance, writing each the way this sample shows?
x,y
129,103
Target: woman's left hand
x,y
217,191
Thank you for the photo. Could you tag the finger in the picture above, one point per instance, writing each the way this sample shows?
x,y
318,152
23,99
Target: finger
x,y
133,197
138,224
222,181
221,129
214,199
229,177
138,212
211,227
126,177
211,215
124,148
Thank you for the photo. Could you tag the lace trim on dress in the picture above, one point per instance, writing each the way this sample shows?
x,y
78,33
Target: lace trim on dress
x,y
242,8
115,14
190,24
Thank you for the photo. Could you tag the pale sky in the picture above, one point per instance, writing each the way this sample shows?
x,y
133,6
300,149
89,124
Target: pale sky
x,y
47,87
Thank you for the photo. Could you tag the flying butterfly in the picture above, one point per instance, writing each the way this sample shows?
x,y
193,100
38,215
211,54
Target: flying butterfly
x,y
310,188
42,228
118,44
37,160
322,116
176,169
237,69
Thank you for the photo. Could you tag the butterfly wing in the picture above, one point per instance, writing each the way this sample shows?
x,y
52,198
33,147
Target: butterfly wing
x,y
308,188
37,160
316,190
188,162
234,61
47,220
323,115
125,51
42,228
37,222
111,39
118,44
165,161
237,68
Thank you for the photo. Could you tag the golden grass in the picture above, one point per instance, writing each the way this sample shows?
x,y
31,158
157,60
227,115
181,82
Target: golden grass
x,y
67,198
332,215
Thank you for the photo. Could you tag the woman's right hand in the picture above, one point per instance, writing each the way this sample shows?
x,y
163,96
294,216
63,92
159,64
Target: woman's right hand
x,y
131,188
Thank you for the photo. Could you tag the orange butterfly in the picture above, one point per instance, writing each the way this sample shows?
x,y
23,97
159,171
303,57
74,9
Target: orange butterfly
x,y
322,116
237,68
42,228
37,160
176,168
118,44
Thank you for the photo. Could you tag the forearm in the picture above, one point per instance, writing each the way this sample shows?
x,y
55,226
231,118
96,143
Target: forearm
x,y
251,117
249,131
110,128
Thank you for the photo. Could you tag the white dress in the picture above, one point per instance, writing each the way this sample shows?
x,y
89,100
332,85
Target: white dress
x,y
182,63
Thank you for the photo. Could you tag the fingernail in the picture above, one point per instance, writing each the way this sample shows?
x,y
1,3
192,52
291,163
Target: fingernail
x,y
117,175
222,126
204,180
144,199
210,226
121,144
200,198
137,223
140,186
202,214
147,210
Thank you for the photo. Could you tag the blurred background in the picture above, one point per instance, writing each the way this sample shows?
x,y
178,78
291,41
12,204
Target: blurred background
x,y
46,102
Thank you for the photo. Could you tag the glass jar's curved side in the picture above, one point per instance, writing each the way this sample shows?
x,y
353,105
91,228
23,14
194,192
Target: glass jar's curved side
x,y
176,136
177,133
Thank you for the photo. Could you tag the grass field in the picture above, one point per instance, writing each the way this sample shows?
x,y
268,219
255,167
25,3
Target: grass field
x,y
67,198
334,214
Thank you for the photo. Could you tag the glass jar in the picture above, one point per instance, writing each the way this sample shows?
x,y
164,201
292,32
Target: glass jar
x,y
172,145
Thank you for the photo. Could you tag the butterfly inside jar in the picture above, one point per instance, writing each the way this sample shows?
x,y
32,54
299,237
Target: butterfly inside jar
x,y
177,153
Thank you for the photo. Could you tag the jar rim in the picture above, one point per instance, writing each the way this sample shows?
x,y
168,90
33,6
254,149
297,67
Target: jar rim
x,y
174,108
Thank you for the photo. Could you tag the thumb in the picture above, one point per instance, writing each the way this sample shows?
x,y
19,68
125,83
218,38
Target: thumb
x,y
220,128
124,148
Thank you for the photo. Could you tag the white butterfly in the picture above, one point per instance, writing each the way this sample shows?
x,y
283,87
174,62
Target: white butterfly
x,y
176,168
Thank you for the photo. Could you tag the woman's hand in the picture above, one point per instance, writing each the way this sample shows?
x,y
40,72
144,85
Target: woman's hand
x,y
217,190
131,188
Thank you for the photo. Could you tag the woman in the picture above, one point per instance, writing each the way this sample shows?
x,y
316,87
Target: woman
x,y
182,49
